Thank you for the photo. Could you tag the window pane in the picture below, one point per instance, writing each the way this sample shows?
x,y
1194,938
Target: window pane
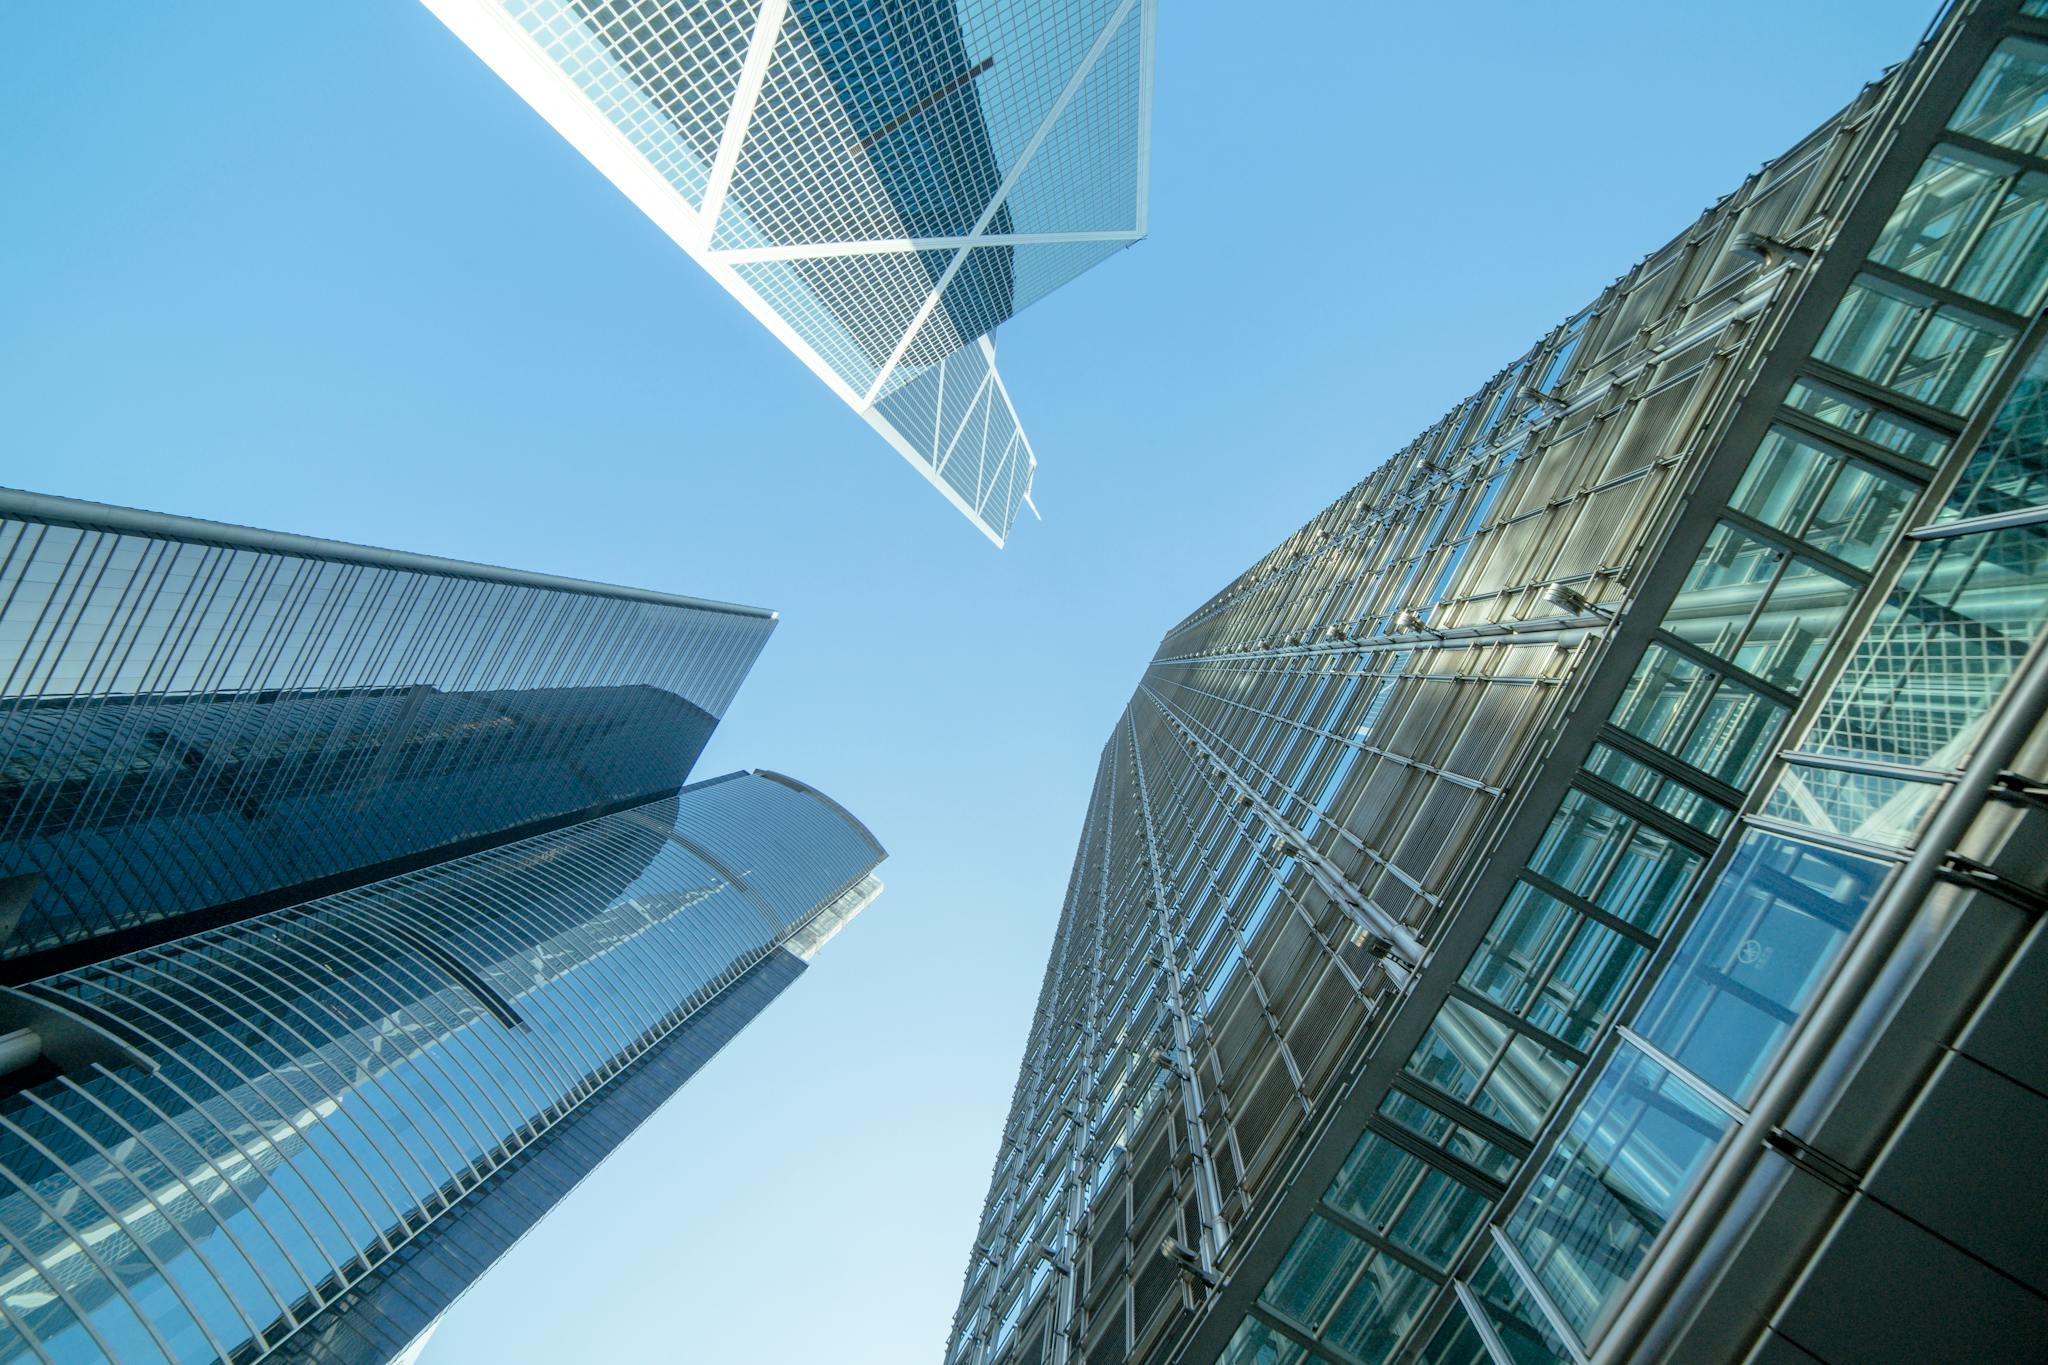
x,y
2009,100
1869,330
1617,1175
1318,1266
2008,263
1512,1310
1256,1343
1379,1310
1923,678
1763,943
2009,470
1859,418
1725,585
1952,360
1838,506
1936,218
1797,624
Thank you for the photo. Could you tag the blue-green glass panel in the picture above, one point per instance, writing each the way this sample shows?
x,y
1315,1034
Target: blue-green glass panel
x,y
1763,944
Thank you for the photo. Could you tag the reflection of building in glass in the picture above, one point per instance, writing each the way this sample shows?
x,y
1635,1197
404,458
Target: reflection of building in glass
x,y
880,184
406,920
1578,898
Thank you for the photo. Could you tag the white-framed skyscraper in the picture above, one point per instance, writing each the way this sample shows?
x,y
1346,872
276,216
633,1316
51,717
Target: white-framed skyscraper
x,y
880,184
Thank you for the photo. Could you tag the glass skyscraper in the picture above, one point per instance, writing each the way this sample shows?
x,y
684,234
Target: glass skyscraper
x,y
356,907
880,182
1579,898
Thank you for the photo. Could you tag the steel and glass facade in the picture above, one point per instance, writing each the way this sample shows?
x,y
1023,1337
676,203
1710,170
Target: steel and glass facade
x,y
880,184
1577,899
358,910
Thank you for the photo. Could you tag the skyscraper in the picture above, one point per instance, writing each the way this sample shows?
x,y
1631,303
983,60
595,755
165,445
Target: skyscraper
x,y
1579,897
357,909
879,184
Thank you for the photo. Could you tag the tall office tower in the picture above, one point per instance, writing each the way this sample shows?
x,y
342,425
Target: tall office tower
x,y
879,182
1578,898
357,908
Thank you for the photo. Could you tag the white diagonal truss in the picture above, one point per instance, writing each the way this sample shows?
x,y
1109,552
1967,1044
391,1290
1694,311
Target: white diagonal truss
x,y
745,132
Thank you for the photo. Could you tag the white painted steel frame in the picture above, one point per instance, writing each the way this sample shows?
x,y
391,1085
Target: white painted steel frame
x,y
493,35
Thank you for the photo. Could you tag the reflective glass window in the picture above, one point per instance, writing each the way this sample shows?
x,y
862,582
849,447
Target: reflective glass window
x,y
1554,966
2009,469
1259,1343
1627,1157
2008,102
1440,1130
1839,506
1314,1274
1764,942
1628,869
1667,794
1874,807
1936,355
1379,1310
1925,675
1717,725
1406,1200
1859,417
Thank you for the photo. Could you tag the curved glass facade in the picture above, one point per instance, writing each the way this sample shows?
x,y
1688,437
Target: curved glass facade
x,y
192,715
333,1082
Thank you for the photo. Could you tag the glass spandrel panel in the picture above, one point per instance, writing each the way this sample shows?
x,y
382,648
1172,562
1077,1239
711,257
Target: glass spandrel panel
x,y
1763,944
2008,102
1627,1157
1315,1272
1916,692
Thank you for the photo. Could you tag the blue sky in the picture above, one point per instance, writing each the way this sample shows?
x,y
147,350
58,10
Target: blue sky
x,y
311,267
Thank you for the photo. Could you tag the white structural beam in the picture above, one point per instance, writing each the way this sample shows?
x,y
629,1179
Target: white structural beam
x,y
1017,168
733,137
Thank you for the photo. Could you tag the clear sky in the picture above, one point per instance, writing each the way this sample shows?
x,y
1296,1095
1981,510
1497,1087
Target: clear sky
x,y
310,266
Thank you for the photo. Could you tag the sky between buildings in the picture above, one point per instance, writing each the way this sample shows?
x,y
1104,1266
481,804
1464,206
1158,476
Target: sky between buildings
x,y
312,267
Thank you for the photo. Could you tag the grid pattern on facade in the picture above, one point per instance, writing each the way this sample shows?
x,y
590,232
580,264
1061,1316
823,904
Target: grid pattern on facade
x,y
1319,757
329,1081
883,184
189,719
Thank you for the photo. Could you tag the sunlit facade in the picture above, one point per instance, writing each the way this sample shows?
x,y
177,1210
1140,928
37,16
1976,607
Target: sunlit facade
x,y
1577,899
359,908
880,184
